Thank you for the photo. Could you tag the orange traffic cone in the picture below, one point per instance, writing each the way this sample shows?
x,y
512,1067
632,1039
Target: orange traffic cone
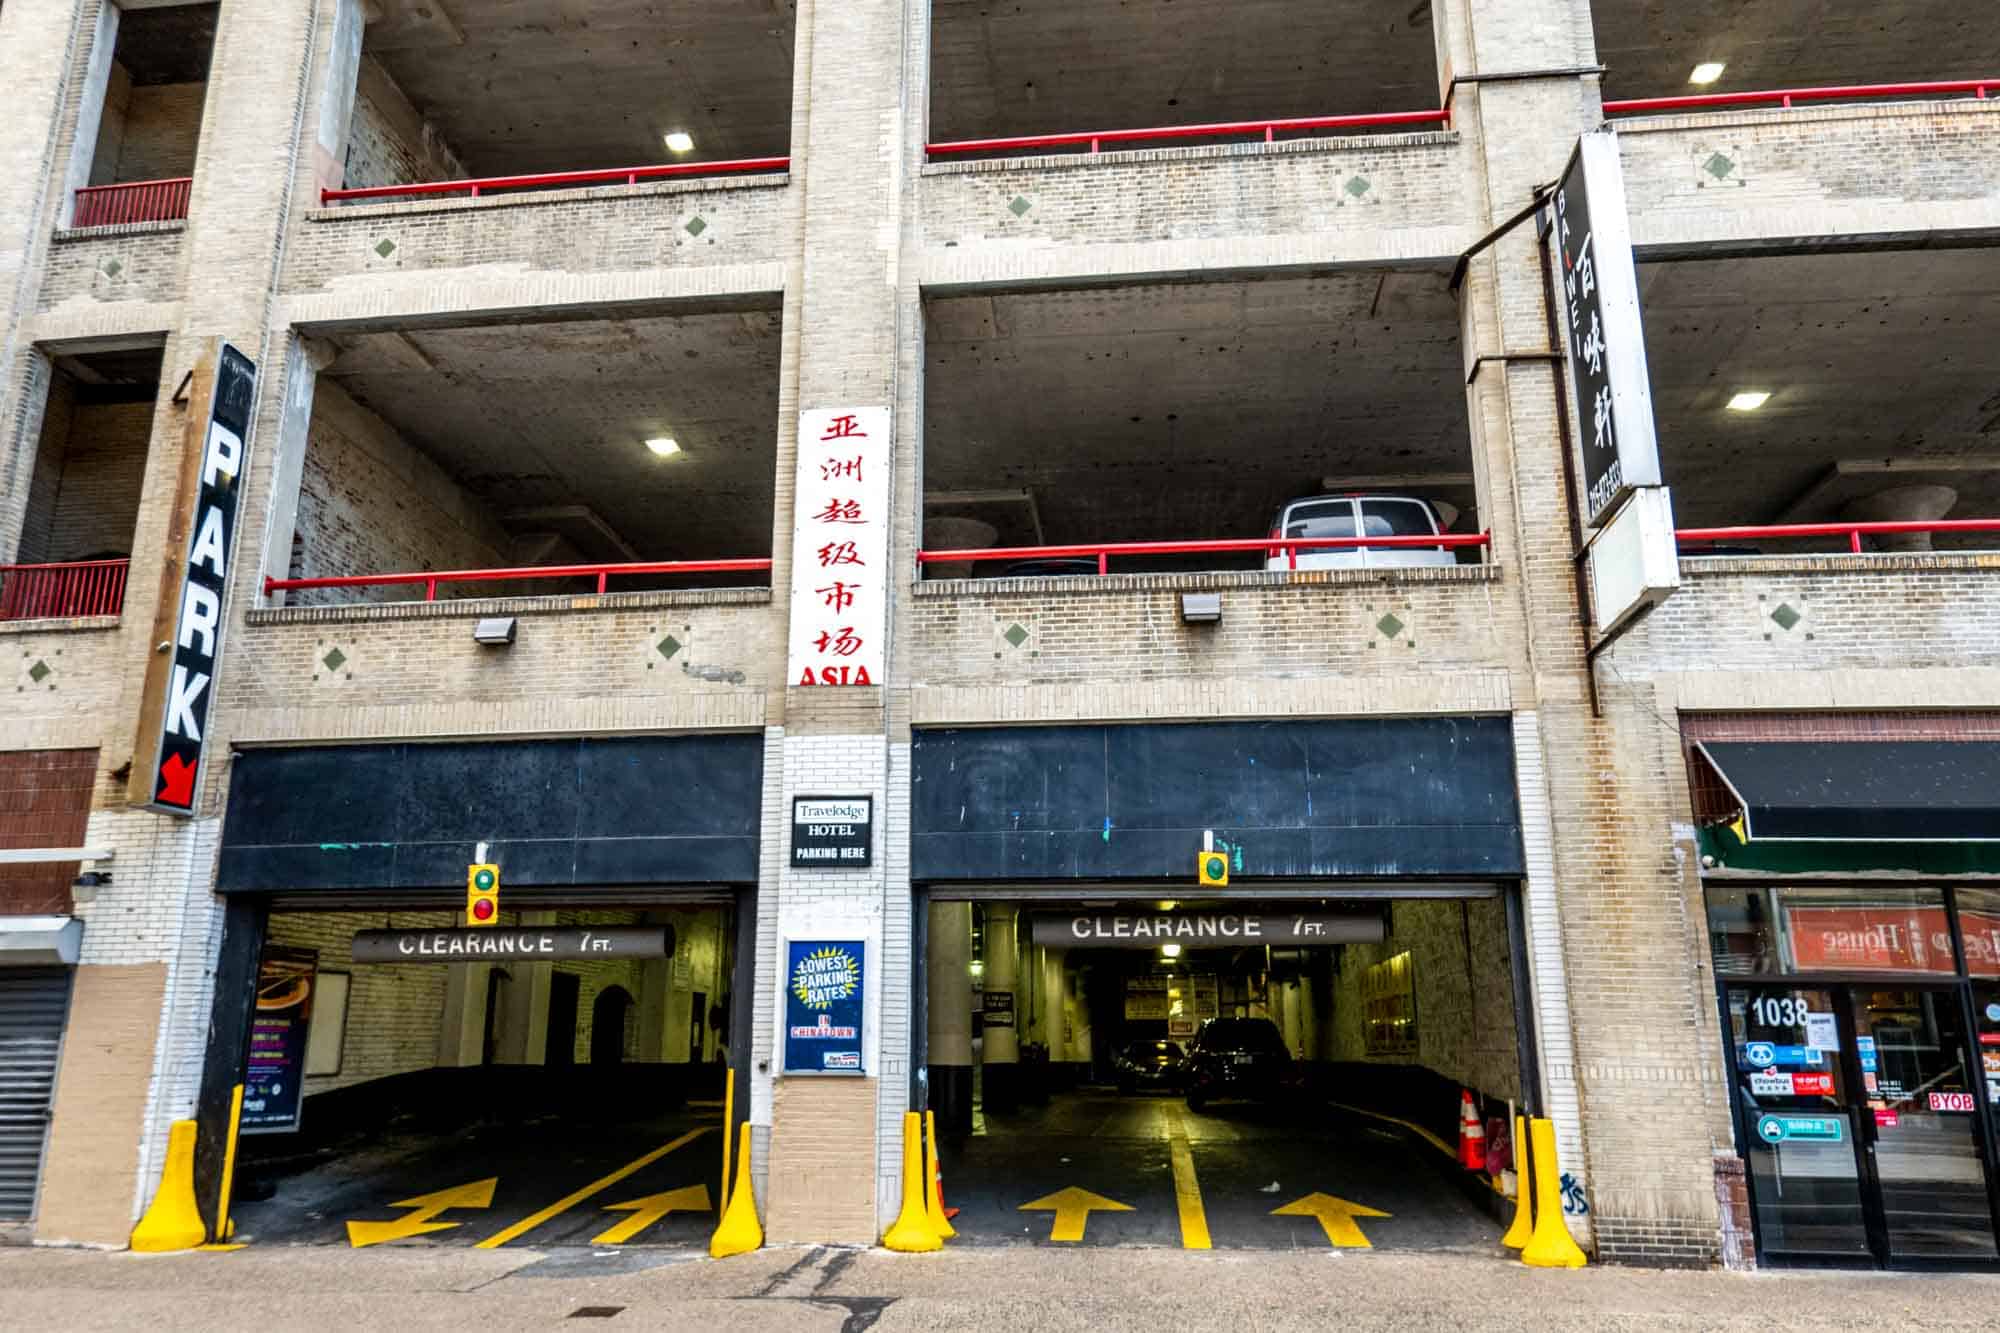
x,y
1471,1134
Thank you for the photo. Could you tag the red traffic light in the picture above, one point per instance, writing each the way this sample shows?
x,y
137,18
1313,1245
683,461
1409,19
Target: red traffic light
x,y
482,909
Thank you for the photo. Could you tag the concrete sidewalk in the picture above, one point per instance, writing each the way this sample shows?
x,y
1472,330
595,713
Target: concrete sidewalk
x,y
1000,1289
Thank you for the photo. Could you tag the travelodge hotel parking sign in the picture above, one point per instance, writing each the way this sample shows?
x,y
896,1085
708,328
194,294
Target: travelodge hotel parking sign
x,y
180,682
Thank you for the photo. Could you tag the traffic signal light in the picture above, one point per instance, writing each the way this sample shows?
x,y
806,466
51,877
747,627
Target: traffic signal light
x,y
1211,869
482,895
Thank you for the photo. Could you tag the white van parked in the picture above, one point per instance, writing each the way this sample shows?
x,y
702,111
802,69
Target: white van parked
x,y
1362,516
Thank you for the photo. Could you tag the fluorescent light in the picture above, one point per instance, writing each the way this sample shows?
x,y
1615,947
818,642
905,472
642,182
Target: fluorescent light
x,y
663,445
680,141
1708,71
1749,400
1170,950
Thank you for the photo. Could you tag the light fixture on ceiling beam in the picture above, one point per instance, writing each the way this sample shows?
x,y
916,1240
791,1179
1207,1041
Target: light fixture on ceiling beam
x,y
679,141
1707,72
664,445
1749,400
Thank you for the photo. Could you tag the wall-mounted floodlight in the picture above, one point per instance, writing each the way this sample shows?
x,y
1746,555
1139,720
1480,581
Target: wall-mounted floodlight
x,y
1201,608
495,631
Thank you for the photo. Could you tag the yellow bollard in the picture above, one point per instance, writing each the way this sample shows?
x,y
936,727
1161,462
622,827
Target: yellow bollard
x,y
1551,1245
1524,1224
225,1227
739,1232
172,1221
912,1233
934,1182
728,1130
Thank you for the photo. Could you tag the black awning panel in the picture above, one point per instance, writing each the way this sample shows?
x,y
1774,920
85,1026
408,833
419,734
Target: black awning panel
x,y
1872,791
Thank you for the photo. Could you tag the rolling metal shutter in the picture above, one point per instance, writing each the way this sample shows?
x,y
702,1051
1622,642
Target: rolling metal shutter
x,y
33,1002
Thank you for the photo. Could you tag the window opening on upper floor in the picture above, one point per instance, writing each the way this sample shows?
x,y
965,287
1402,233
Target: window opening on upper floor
x,y
1827,389
69,544
1321,408
141,124
586,444
1722,47
467,90
1050,67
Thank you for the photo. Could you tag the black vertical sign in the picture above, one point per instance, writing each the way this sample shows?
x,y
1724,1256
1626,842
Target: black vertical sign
x,y
197,641
1600,318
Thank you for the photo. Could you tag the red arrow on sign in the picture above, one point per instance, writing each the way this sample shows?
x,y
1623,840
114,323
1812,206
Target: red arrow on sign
x,y
177,781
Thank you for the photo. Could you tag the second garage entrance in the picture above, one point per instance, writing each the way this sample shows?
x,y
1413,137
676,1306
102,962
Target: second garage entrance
x,y
1276,1052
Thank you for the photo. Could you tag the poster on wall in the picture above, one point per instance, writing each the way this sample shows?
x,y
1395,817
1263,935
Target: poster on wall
x,y
273,1084
824,994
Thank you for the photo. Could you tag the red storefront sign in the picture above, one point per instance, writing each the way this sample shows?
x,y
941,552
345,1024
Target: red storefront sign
x,y
1890,939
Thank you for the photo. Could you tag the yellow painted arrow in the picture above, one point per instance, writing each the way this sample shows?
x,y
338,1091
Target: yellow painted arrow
x,y
1336,1218
1072,1208
646,1211
478,1194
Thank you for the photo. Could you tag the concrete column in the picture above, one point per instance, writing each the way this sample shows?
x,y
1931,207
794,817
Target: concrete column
x,y
1294,1022
1000,1064
1053,992
948,992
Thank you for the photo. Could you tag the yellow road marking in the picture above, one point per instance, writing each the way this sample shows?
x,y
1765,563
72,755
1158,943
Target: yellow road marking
x,y
1072,1207
646,1211
1187,1189
1336,1218
569,1201
477,1194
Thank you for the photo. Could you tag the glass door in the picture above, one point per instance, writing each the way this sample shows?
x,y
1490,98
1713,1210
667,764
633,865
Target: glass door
x,y
1800,1122
1922,1132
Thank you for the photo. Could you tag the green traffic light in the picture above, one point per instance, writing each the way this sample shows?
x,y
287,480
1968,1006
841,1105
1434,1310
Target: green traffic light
x,y
483,879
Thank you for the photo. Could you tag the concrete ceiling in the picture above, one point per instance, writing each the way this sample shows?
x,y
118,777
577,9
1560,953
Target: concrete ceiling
x,y
1012,67
166,45
1873,361
1189,410
520,86
550,416
1650,46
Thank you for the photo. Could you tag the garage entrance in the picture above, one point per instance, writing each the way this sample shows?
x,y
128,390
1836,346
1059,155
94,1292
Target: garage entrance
x,y
420,1063
1280,1056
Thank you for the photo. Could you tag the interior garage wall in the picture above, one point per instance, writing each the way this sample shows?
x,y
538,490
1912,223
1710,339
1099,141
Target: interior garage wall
x,y
388,141
1465,999
89,470
393,1012
147,133
371,503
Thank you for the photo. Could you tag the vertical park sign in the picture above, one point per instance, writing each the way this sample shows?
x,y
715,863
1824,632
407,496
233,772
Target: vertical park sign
x,y
180,675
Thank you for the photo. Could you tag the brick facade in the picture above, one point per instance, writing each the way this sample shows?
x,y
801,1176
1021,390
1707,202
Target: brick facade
x,y
44,802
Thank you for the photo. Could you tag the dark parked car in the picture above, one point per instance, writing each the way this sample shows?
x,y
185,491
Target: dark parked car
x,y
1237,1057
1147,1064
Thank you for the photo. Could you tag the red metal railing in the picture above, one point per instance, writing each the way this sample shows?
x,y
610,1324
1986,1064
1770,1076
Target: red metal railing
x,y
602,573
131,201
1854,532
1291,546
1787,96
1268,128
77,588
606,176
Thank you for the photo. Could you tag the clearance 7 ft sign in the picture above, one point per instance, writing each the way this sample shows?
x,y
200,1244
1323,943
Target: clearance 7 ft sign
x,y
180,677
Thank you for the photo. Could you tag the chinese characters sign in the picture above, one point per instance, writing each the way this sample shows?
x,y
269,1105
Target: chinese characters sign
x,y
1598,308
840,547
823,1002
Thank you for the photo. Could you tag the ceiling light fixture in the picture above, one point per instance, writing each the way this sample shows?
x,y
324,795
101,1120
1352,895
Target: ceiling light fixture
x,y
1749,400
1708,71
1170,950
663,445
680,141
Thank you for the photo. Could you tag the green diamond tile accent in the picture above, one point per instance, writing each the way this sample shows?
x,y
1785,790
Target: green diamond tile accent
x,y
385,247
1015,635
696,226
334,659
667,647
1785,616
1718,166
1389,625
40,671
1356,186
1020,206
113,267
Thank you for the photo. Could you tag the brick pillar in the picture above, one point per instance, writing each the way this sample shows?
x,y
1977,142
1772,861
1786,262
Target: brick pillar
x,y
834,1143
1627,1072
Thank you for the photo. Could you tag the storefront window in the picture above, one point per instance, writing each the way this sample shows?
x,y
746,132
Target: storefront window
x,y
1782,931
1979,919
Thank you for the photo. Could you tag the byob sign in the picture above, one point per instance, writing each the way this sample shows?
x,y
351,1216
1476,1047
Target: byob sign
x,y
186,687
832,832
1599,306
